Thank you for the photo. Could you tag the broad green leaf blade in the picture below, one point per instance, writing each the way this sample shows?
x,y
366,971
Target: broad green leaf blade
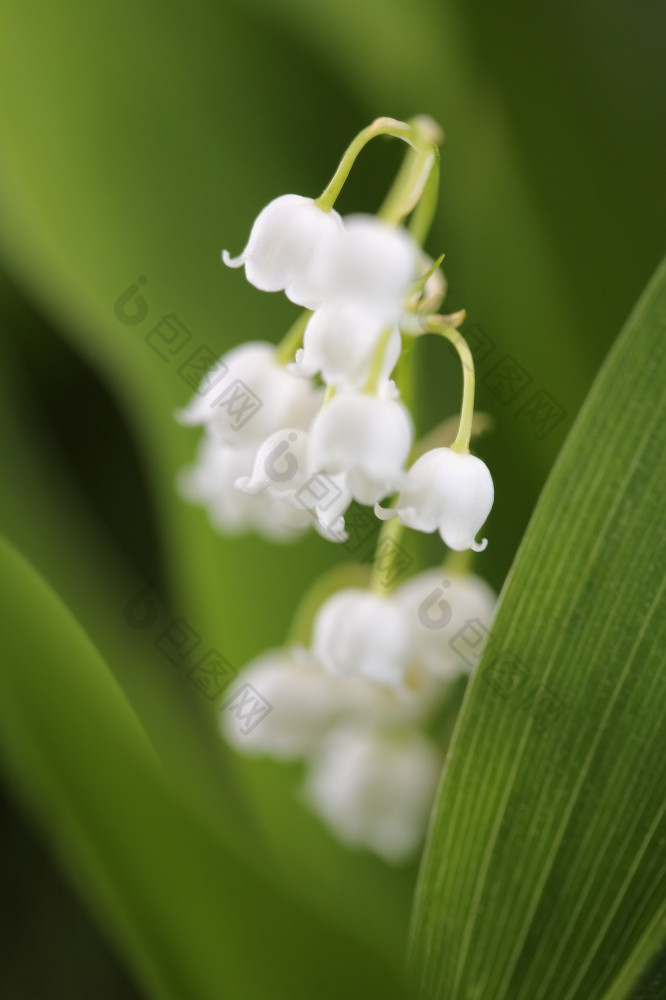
x,y
544,874
190,914
652,983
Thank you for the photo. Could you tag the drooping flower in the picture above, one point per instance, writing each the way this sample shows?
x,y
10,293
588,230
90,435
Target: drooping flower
x,y
367,437
341,341
255,397
446,491
372,263
285,241
449,615
303,702
357,631
280,470
374,790
210,482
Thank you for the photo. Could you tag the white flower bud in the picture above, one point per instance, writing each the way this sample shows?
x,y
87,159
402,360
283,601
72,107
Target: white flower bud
x,y
280,468
357,631
367,437
303,701
255,397
372,262
448,491
210,482
441,608
341,341
285,241
280,464
374,791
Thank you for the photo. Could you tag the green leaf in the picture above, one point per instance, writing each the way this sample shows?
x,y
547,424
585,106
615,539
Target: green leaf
x,y
544,873
652,984
189,910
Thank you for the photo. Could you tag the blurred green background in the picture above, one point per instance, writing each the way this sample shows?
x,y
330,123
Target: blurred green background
x,y
140,140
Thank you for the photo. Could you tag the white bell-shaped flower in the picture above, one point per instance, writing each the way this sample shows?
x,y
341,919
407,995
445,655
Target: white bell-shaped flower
x,y
446,491
280,468
280,464
357,631
341,343
375,703
372,262
210,483
367,437
449,615
255,396
286,239
374,791
299,703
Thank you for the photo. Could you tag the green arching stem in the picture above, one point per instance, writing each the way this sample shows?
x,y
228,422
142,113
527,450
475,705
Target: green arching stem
x,y
458,563
437,324
292,339
401,182
403,375
328,395
393,530
380,350
416,188
380,126
419,286
422,134
424,212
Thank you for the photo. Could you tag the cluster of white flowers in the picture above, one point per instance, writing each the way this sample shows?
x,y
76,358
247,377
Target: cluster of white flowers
x,y
294,434
303,455
355,705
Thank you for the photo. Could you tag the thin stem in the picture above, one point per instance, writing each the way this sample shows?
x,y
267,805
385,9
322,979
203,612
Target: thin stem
x,y
403,375
380,126
392,530
458,563
292,339
424,213
416,187
378,357
403,181
328,395
414,179
437,324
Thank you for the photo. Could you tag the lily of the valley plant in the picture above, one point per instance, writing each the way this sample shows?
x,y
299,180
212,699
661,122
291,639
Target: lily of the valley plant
x,y
321,421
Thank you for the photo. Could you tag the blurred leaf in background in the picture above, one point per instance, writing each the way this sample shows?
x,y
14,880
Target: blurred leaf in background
x,y
137,142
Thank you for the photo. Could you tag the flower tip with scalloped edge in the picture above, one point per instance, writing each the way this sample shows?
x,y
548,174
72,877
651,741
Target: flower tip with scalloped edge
x,y
448,491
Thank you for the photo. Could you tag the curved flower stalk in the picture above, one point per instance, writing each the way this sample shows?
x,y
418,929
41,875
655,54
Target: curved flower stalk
x,y
447,489
294,434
